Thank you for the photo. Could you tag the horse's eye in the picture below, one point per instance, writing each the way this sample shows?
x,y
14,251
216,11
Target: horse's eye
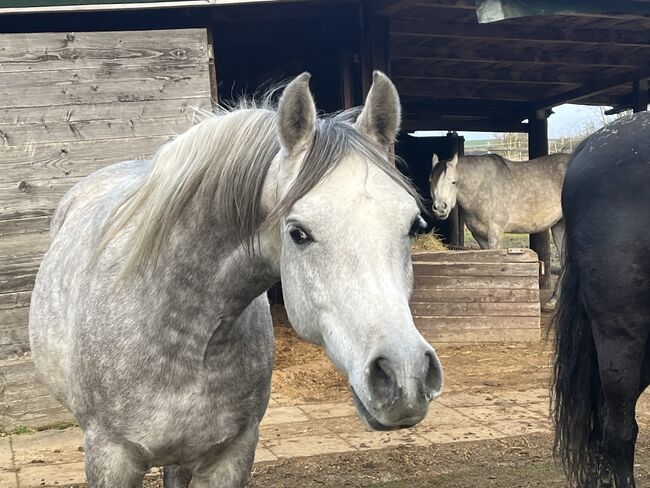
x,y
453,182
416,226
299,236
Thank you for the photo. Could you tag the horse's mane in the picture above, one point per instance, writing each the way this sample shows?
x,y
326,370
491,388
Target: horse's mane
x,y
224,160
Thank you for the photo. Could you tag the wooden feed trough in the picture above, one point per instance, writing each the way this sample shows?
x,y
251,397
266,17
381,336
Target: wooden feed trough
x,y
477,296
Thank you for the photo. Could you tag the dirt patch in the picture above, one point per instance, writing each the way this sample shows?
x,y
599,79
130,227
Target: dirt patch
x,y
505,463
303,374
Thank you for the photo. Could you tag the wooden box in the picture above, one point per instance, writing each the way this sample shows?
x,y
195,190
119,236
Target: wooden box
x,y
477,296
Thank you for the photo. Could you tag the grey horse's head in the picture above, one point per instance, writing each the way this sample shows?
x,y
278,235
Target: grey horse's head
x,y
344,253
443,179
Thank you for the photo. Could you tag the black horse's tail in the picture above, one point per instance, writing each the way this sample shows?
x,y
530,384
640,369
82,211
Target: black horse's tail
x,y
576,382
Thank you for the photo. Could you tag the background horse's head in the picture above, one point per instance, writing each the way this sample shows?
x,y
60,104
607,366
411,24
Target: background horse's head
x,y
345,251
444,176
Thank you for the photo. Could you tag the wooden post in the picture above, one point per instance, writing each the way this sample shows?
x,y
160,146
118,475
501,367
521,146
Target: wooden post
x,y
537,147
456,223
640,95
375,47
347,81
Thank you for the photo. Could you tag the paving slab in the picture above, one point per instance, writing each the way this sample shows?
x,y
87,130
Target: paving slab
x,y
382,440
49,447
51,475
329,410
308,446
6,455
283,415
467,433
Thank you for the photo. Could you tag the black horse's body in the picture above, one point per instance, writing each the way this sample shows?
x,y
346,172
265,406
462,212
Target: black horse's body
x,y
603,319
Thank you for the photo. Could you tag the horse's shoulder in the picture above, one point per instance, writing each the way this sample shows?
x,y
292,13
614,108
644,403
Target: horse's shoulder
x,y
93,186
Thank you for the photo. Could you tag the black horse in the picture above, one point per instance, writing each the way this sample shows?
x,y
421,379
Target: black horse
x,y
602,323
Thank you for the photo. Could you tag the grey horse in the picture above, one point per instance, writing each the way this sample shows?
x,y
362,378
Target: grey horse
x,y
149,318
495,195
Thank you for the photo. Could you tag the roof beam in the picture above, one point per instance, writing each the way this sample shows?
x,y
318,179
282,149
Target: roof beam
x,y
586,91
552,35
524,55
391,7
482,125
463,107
467,89
488,71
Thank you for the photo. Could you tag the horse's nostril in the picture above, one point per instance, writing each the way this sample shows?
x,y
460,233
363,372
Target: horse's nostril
x,y
434,377
381,380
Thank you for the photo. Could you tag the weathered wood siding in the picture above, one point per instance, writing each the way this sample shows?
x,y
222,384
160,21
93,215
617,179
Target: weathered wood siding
x,y
476,296
69,105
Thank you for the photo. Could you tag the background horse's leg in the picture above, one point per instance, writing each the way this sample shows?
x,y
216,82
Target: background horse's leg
x,y
176,477
233,466
110,464
495,238
558,238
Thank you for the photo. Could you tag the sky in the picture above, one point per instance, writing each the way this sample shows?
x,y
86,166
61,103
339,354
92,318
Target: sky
x,y
566,120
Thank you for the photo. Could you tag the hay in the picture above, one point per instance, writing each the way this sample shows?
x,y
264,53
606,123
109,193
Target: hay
x,y
427,242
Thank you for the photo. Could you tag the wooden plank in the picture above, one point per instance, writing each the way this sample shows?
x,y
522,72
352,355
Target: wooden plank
x,y
491,71
521,32
477,310
17,273
24,401
588,90
58,89
488,90
462,322
102,50
477,281
463,50
474,336
14,334
478,256
23,244
12,300
41,162
37,225
153,109
474,295
60,132
423,269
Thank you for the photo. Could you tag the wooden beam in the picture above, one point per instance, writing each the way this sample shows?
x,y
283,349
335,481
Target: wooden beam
x,y
461,50
412,123
391,7
490,71
585,91
468,108
470,89
546,35
640,95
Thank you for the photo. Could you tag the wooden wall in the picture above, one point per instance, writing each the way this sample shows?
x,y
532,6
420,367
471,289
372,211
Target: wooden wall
x,y
477,296
71,103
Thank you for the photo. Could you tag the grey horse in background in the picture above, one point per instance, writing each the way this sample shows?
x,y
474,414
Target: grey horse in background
x,y
149,318
495,196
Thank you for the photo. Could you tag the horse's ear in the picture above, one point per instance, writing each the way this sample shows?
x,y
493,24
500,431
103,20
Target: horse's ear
x,y
453,162
434,160
382,114
296,115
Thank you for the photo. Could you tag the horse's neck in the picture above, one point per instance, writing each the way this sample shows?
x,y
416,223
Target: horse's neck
x,y
206,276
476,180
